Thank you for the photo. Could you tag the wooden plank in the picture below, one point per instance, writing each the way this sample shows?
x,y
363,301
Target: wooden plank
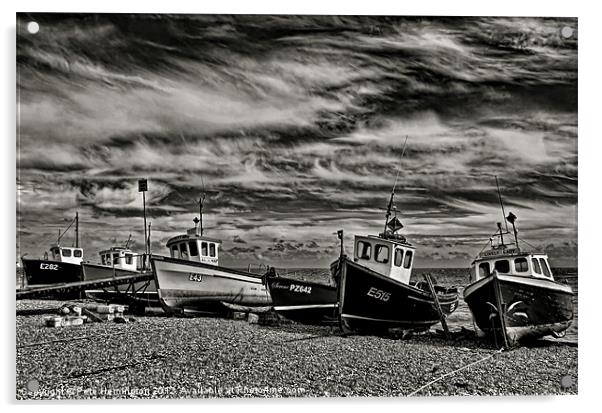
x,y
437,304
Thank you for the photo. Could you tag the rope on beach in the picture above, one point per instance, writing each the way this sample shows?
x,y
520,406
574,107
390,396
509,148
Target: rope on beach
x,y
455,371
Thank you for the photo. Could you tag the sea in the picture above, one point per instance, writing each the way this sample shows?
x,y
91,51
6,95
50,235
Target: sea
x,y
451,277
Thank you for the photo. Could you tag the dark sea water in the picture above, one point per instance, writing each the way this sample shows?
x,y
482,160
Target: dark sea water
x,y
456,277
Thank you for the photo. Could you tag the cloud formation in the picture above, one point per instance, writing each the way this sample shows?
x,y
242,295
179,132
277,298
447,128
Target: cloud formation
x,y
294,126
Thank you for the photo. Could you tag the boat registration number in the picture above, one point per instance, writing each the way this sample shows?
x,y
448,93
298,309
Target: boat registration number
x,y
379,294
301,288
49,266
193,276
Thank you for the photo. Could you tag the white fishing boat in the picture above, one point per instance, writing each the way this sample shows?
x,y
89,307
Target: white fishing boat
x,y
192,280
117,262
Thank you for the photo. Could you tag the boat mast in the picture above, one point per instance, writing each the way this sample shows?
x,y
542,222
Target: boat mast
x,y
390,206
76,229
499,194
201,202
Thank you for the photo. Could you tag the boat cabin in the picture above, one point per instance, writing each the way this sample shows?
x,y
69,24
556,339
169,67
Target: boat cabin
x,y
194,247
120,257
511,261
71,255
392,256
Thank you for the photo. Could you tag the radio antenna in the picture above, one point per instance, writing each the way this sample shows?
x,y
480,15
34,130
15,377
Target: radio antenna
x,y
388,214
499,194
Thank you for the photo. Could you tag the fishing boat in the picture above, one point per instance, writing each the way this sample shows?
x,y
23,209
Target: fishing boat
x,y
374,288
191,279
62,265
513,295
303,301
116,262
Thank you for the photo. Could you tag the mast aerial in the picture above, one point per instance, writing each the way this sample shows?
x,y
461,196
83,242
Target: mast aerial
x,y
76,229
499,194
390,206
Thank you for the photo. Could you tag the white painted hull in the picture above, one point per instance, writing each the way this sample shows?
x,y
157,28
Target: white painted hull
x,y
144,291
192,286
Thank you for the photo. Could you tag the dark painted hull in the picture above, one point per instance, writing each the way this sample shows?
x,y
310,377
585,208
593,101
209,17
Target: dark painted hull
x,y
369,301
531,307
45,272
302,301
39,273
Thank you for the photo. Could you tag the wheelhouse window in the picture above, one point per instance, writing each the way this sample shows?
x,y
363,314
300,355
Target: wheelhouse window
x,y
364,250
183,251
502,266
66,252
174,251
407,262
194,250
102,260
381,253
484,269
129,259
77,253
204,249
398,257
544,267
212,249
115,258
521,265
536,266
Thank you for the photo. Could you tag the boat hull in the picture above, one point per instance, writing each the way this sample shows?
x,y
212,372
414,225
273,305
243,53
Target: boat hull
x,y
45,272
193,286
531,307
369,301
144,292
302,301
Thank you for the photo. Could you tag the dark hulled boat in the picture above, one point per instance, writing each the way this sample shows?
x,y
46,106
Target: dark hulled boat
x,y
62,265
513,295
375,293
303,301
374,289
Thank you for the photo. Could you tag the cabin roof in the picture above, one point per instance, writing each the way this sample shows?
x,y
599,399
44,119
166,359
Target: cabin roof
x,y
398,241
189,237
505,253
115,249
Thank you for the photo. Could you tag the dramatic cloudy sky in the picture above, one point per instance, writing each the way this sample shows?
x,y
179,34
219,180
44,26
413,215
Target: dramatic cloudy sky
x,y
295,126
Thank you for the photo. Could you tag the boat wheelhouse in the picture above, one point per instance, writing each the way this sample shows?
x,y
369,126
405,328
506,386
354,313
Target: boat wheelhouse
x,y
71,255
195,247
122,258
388,254
511,261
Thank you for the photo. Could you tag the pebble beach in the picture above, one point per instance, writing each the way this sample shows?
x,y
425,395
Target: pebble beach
x,y
176,357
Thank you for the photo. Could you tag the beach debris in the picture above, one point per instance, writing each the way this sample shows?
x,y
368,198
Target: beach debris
x,y
76,315
237,315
